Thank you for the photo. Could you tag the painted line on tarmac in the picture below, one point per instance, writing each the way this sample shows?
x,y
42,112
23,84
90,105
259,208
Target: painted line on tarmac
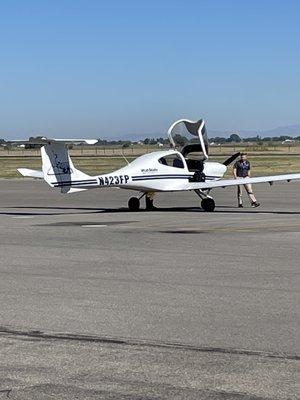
x,y
93,226
23,217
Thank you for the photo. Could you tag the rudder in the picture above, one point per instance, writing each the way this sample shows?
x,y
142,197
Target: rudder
x,y
58,168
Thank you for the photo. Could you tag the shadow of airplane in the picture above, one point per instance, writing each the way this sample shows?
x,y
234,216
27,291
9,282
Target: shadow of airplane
x,y
102,210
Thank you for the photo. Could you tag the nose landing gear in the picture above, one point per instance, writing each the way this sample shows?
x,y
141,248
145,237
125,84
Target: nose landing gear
x,y
207,203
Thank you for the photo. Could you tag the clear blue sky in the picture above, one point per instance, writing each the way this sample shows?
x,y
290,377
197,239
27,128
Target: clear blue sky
x,y
112,68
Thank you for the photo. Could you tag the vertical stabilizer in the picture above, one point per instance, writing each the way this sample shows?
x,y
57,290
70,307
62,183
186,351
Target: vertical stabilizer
x,y
58,167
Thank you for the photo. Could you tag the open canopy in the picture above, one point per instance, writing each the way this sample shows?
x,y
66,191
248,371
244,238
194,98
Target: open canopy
x,y
189,136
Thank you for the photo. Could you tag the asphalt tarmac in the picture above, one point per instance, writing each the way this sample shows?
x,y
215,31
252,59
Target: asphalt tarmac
x,y
101,303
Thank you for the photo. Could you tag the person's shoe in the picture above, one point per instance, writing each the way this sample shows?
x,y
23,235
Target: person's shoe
x,y
241,206
152,208
255,204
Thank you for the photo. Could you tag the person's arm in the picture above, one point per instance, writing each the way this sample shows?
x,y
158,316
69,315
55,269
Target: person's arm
x,y
249,171
235,171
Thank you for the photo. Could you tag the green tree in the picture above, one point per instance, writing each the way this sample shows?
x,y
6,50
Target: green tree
x,y
180,140
235,138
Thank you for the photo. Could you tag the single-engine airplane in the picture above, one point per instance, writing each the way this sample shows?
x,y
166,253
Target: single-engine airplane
x,y
159,171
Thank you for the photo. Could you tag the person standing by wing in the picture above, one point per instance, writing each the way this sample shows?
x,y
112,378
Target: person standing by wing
x,y
241,169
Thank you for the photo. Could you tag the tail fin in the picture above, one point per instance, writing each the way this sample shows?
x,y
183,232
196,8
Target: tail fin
x,y
58,168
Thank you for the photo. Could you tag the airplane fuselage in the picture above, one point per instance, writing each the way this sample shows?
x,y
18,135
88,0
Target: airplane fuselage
x,y
148,174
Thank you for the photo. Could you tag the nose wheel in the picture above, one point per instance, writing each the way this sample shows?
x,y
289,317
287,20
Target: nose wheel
x,y
208,204
134,204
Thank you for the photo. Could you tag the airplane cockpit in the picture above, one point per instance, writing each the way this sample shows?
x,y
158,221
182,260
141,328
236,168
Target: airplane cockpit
x,y
172,160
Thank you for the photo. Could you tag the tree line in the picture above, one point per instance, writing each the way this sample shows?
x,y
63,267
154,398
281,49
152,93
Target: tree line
x,y
182,141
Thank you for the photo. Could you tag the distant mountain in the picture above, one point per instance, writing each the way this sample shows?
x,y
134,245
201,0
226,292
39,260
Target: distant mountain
x,y
214,133
291,130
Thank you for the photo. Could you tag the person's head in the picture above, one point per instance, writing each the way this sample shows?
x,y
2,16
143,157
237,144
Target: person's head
x,y
243,156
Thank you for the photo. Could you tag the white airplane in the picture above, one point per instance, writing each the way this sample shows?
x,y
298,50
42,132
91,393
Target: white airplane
x,y
160,171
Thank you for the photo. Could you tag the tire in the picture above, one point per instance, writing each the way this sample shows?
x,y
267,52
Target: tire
x,y
134,204
208,204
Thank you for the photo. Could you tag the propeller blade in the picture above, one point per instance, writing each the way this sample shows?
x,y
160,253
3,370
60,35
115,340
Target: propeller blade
x,y
231,159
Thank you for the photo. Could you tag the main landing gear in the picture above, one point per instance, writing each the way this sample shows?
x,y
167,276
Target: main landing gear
x,y
207,203
134,204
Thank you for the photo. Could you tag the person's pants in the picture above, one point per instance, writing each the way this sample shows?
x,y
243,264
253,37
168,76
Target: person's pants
x,y
248,188
149,200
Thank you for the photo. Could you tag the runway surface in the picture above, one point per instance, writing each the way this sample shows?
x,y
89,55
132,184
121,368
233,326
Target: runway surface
x,y
101,303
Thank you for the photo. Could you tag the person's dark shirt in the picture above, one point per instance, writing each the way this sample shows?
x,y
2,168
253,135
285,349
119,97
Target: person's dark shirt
x,y
242,168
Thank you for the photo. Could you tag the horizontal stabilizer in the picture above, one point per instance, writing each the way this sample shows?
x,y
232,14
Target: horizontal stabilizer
x,y
75,190
41,140
31,173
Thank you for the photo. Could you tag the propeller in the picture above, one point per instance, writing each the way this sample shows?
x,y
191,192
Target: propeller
x,y
231,159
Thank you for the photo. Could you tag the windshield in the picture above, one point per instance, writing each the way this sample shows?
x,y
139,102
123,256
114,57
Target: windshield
x,y
172,160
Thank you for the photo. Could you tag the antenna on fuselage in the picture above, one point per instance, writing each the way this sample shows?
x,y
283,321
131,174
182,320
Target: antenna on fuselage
x,y
125,157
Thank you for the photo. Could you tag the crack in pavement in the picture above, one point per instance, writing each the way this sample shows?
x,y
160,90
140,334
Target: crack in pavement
x,y
143,343
6,392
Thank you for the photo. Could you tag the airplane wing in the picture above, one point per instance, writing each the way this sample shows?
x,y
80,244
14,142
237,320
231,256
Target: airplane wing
x,y
242,181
